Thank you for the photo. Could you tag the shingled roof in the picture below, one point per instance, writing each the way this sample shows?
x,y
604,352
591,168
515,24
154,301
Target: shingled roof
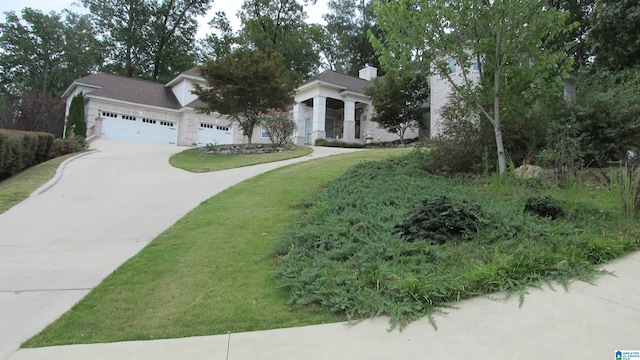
x,y
351,83
123,88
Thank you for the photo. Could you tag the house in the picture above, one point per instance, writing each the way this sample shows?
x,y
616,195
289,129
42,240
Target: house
x,y
330,105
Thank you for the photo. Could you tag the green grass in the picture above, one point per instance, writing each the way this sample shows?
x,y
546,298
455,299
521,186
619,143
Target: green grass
x,y
190,160
213,272
18,187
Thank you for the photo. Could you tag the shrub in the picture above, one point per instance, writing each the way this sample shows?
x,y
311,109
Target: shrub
x,y
544,206
21,149
337,143
76,122
67,146
345,251
278,126
442,218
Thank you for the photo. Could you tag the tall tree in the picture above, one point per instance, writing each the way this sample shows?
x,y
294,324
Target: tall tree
x,y
504,40
44,52
614,34
146,38
575,39
279,25
172,37
348,48
218,43
245,84
399,99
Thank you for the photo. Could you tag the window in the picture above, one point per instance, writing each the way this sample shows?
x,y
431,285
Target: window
x,y
108,114
127,117
206,126
452,66
166,123
263,133
474,65
148,121
222,128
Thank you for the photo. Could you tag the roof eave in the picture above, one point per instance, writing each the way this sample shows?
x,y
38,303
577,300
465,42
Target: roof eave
x,y
179,78
320,83
74,85
103,98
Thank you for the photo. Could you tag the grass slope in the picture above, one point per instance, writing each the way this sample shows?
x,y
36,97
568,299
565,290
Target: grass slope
x,y
213,272
18,187
191,160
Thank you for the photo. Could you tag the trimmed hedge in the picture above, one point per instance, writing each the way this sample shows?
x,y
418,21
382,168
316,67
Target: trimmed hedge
x,y
22,149
337,143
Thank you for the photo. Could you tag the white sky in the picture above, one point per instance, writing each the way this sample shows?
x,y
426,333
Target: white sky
x,y
230,7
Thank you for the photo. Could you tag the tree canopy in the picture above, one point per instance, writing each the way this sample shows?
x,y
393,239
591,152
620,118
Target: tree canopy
x,y
399,100
148,39
614,34
347,47
45,52
246,83
503,40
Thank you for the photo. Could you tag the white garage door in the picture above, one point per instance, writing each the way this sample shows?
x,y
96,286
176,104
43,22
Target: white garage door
x,y
214,134
132,128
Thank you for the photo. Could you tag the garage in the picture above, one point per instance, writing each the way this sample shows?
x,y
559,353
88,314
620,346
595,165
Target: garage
x,y
214,134
138,129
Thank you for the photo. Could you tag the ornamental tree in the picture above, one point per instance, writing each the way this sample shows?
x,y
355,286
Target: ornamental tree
x,y
400,99
244,84
278,126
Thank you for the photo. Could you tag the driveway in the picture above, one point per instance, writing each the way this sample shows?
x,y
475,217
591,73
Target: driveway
x,y
104,208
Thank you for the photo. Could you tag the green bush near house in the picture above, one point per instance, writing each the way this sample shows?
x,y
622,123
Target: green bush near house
x,y
337,143
67,146
76,124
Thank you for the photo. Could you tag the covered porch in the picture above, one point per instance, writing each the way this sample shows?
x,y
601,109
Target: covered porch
x,y
331,106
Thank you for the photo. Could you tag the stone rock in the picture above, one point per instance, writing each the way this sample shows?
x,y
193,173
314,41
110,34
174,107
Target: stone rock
x,y
530,172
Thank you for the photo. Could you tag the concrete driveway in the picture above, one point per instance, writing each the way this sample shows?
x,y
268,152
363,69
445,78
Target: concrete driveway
x,y
104,207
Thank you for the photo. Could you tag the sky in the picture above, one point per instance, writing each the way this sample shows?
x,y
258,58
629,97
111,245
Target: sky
x,y
230,7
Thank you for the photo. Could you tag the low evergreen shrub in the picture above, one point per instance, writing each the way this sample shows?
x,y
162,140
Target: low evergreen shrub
x,y
544,206
442,218
337,143
378,240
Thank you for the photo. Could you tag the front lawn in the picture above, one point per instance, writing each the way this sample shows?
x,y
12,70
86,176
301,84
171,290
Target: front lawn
x,y
191,160
213,272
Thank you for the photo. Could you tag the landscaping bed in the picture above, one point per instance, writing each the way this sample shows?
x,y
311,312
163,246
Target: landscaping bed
x,y
390,238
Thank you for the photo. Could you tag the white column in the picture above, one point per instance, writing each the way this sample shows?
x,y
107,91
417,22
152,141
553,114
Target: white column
x,y
319,112
299,110
349,120
319,117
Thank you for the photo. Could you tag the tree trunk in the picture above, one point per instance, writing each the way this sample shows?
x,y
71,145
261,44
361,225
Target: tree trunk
x,y
496,107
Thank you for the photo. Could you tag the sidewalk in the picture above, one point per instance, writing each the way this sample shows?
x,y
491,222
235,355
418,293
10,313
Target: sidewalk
x,y
588,322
